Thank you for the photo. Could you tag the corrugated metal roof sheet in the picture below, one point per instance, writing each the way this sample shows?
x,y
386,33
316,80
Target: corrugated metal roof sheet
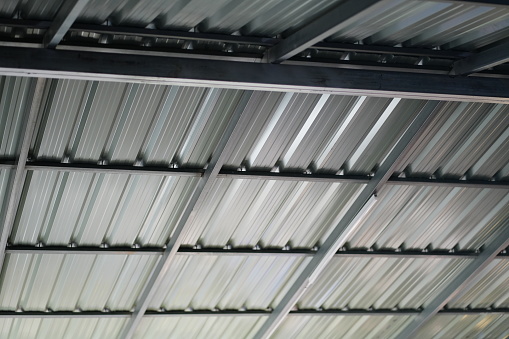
x,y
5,188
259,17
68,282
122,123
432,217
58,208
429,24
354,327
323,133
467,326
466,139
244,213
380,282
226,282
15,96
63,328
199,327
491,289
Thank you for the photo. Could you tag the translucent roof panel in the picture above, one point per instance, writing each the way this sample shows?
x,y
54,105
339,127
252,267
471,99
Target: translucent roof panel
x,y
15,99
418,23
466,326
324,133
88,121
490,290
244,213
199,327
347,327
415,217
62,328
37,282
380,283
226,282
466,139
58,208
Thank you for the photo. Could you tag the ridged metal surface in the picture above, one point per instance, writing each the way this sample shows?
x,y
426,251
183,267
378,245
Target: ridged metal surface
x,y
208,282
467,139
123,123
432,218
245,213
492,289
58,208
351,327
30,9
323,133
60,328
67,282
259,17
467,326
429,24
380,283
199,327
6,176
15,96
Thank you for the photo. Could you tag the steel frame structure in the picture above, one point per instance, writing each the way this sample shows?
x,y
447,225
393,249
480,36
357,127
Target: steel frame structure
x,y
78,314
88,65
256,175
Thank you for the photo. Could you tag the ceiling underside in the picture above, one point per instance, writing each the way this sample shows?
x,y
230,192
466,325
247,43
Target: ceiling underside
x,y
142,208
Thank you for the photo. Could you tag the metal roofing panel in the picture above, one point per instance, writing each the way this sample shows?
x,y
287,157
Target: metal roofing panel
x,y
123,123
258,17
67,282
354,327
63,328
269,213
321,132
466,326
6,177
414,217
15,99
429,24
199,327
380,282
490,290
226,282
30,9
465,139
58,208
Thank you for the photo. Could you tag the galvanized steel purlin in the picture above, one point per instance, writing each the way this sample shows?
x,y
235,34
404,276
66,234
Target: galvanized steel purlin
x,y
67,14
219,156
348,223
20,172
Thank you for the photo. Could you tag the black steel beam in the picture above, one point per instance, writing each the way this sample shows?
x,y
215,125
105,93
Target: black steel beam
x,y
34,62
78,314
483,60
256,175
238,39
183,250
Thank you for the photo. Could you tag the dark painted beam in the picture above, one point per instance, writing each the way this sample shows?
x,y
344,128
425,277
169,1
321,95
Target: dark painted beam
x,y
192,251
35,62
